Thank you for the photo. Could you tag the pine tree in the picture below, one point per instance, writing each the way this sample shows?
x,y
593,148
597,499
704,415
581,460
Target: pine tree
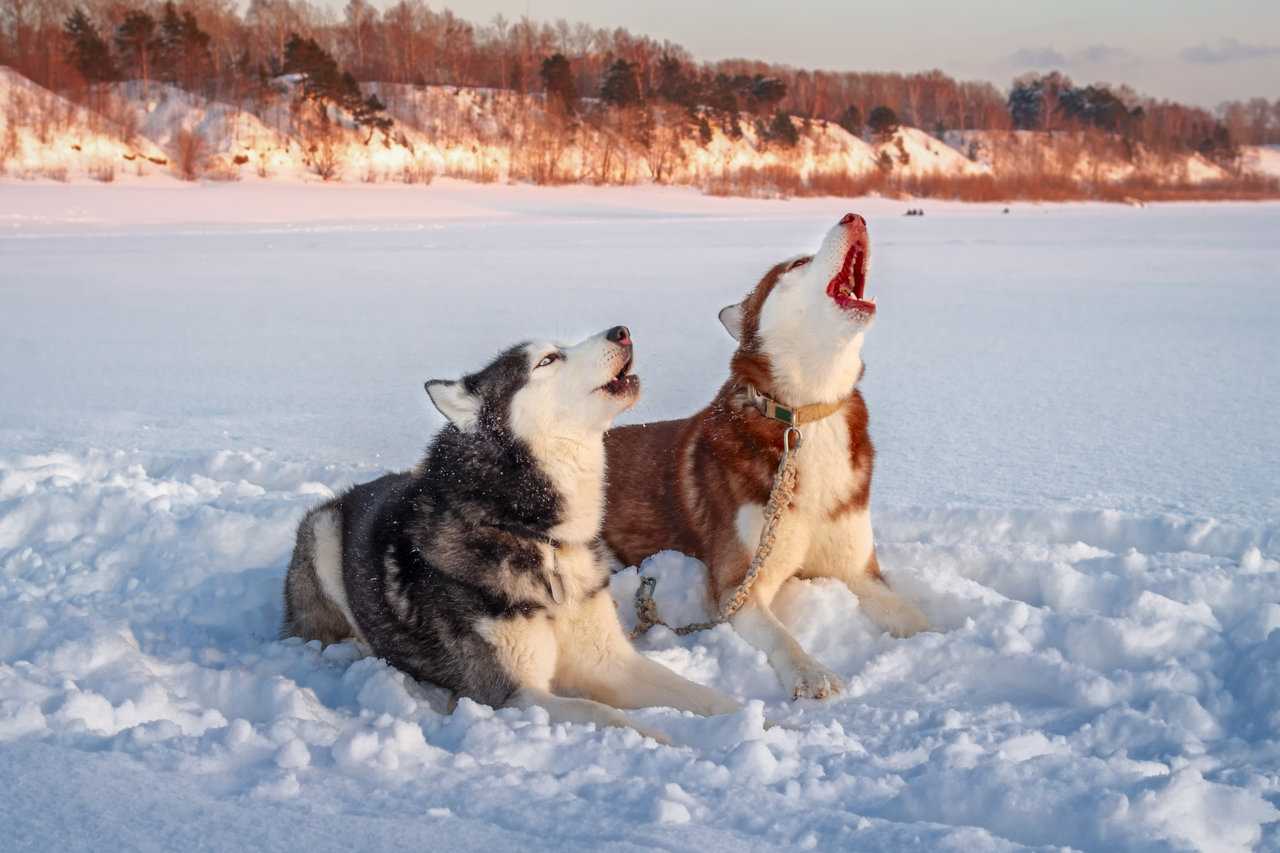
x,y
136,41
365,112
1220,148
369,114
348,95
705,134
768,91
1035,103
169,56
89,53
184,47
557,79
721,95
1024,105
675,86
195,50
1095,106
621,86
883,122
322,81
783,130
321,78
851,119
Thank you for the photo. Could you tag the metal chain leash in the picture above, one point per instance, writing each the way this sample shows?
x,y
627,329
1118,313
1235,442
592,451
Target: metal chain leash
x,y
784,485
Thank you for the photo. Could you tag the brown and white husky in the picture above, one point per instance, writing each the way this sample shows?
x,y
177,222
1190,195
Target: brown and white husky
x,y
699,485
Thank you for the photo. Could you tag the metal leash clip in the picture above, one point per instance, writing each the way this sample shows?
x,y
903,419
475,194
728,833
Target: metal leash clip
x,y
645,590
787,449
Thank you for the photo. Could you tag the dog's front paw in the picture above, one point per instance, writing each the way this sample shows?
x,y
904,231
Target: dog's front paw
x,y
908,623
895,614
813,681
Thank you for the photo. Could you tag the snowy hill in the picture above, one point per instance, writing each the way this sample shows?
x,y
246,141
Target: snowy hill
x,y
1263,159
43,135
1080,156
234,143
165,113
498,136
913,152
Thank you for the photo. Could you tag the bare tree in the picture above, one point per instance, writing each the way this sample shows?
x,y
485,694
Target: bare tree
x,y
914,86
359,24
501,27
1258,113
228,38
458,47
18,25
272,22
665,149
189,154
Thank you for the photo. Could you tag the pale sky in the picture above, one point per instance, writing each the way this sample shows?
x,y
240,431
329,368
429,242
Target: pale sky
x,y
1198,52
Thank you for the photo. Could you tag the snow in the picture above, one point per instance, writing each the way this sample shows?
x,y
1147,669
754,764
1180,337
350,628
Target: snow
x,y
1086,157
44,135
161,112
1074,408
1263,159
913,152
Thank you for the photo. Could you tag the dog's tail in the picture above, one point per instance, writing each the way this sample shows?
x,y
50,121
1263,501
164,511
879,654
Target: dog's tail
x,y
315,595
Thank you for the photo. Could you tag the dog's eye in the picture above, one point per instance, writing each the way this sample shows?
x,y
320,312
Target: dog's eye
x,y
798,262
549,359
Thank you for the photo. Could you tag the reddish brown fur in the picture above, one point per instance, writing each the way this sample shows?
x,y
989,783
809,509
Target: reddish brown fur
x,y
679,484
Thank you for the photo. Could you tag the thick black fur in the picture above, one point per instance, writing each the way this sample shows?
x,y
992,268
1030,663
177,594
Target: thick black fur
x,y
428,553
452,572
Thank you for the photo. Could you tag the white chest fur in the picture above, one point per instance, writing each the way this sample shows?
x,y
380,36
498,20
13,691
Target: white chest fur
x,y
576,470
827,479
825,468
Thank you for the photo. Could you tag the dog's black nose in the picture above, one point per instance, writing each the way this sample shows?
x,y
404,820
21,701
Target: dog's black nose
x,y
619,335
851,218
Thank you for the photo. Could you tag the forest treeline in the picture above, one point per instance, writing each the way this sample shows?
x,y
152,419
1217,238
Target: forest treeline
x,y
210,48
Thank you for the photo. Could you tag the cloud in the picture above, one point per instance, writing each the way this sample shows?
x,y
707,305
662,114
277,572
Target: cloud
x,y
1101,54
1096,54
1227,51
1038,57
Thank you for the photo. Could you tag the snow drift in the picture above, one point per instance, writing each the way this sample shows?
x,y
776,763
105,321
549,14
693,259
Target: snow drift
x,y
1074,483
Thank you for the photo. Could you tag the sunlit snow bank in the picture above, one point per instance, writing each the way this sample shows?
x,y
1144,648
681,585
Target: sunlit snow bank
x,y
145,130
46,136
1263,159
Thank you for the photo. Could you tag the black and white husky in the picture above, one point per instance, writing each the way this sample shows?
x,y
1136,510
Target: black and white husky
x,y
482,570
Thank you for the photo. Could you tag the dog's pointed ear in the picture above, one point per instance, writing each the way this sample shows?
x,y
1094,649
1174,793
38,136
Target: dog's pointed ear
x,y
731,318
454,401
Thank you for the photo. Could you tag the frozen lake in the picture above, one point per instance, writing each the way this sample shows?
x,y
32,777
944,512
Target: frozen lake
x,y
1047,356
1078,476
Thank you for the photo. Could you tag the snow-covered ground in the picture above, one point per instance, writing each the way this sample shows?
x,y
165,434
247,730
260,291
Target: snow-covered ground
x,y
1076,413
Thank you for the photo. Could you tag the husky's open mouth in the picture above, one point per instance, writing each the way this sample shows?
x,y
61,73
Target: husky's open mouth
x,y
625,382
849,285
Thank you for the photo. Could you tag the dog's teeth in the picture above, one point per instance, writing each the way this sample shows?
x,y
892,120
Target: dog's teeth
x,y
872,300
